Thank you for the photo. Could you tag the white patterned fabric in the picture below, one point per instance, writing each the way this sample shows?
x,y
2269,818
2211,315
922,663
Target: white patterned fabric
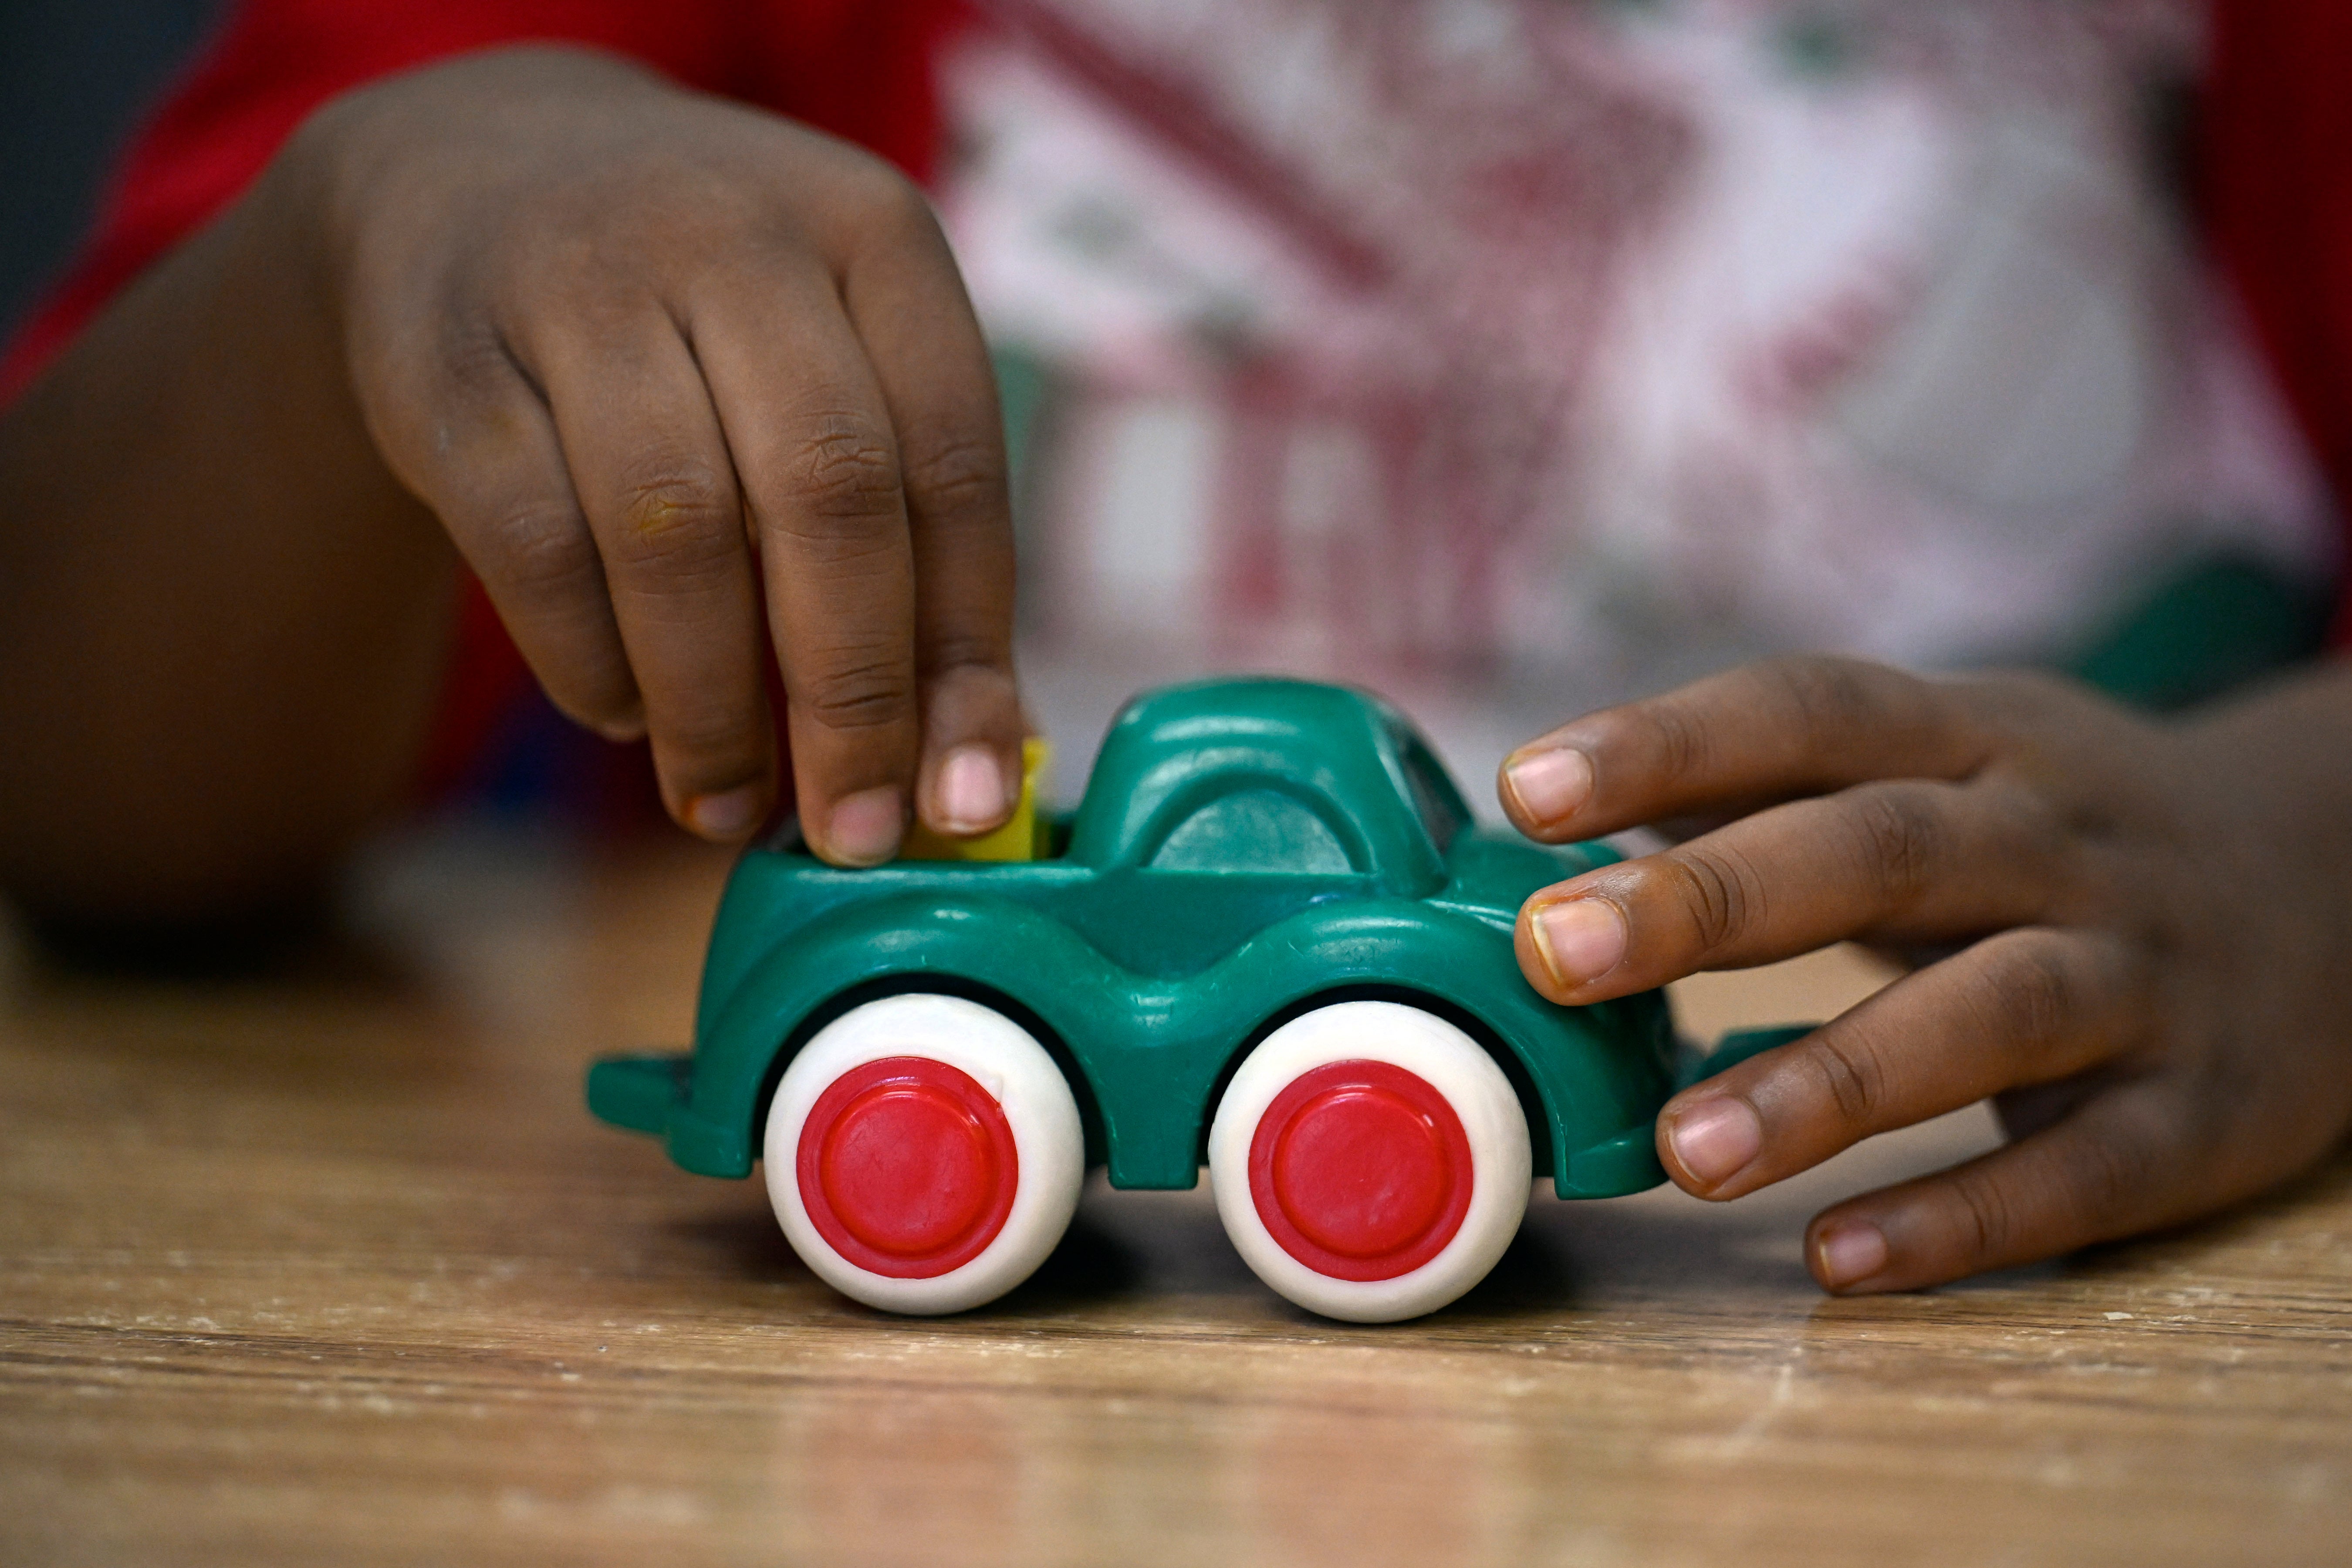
x,y
1596,343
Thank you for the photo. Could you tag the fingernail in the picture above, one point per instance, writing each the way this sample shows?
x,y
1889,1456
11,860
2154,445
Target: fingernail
x,y
971,790
864,827
728,815
1549,785
1715,1138
1581,939
1851,1250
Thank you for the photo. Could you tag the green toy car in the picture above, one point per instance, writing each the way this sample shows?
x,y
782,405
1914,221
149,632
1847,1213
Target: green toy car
x,y
1271,938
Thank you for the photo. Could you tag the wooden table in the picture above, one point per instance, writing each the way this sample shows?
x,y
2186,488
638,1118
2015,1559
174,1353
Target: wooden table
x,y
335,1268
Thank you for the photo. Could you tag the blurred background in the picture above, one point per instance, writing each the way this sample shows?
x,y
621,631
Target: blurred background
x,y
1516,356
77,76
1528,355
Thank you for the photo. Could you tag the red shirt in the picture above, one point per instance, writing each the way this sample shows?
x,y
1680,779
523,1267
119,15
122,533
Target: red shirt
x,y
2276,156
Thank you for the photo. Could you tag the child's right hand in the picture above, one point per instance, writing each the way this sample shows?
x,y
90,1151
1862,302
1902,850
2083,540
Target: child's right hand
x,y
683,380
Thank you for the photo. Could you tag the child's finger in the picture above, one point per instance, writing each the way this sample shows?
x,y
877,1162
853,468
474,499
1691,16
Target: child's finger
x,y
2027,1006
909,310
1762,732
654,474
480,447
2120,1164
819,459
1908,859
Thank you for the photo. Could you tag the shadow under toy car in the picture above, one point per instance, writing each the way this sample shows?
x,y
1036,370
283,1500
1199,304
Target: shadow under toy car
x,y
1271,937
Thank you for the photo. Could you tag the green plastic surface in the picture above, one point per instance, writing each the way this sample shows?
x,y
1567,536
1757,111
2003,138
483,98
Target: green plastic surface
x,y
2212,627
1245,849
638,1093
1736,1048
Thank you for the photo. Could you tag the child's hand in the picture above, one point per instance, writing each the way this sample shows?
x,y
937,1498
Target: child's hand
x,y
2149,932
682,379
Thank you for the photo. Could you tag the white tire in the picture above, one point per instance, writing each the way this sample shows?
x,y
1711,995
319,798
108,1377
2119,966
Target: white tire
x,y
924,1153
1369,1161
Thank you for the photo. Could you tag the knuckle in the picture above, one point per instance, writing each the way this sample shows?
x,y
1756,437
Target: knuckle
x,y
2105,1177
890,202
1987,1215
2034,826
476,358
846,473
664,492
1851,1075
713,733
860,694
1899,836
958,480
676,514
2032,995
538,549
1681,738
1718,893
1828,695
952,652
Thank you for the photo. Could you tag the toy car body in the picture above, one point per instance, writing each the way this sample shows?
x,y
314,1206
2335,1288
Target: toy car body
x,y
1271,936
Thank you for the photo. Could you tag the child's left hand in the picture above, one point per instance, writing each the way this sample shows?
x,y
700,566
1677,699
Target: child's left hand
x,y
2146,930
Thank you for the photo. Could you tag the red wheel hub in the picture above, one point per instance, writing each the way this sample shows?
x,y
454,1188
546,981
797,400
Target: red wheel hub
x,y
907,1167
1361,1169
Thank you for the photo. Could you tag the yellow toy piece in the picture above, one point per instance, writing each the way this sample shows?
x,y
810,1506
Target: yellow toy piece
x,y
1018,839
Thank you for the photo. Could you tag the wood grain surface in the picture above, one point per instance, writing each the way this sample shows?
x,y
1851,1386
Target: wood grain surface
x,y
334,1267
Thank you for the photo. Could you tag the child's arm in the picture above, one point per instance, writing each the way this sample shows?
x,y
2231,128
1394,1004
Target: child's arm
x,y
2149,931
689,388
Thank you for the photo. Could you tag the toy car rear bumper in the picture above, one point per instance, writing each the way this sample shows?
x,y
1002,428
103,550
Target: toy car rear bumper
x,y
1613,1167
640,1093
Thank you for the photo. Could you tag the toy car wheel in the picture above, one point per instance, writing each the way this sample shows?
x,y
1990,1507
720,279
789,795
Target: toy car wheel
x,y
1369,1161
923,1154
